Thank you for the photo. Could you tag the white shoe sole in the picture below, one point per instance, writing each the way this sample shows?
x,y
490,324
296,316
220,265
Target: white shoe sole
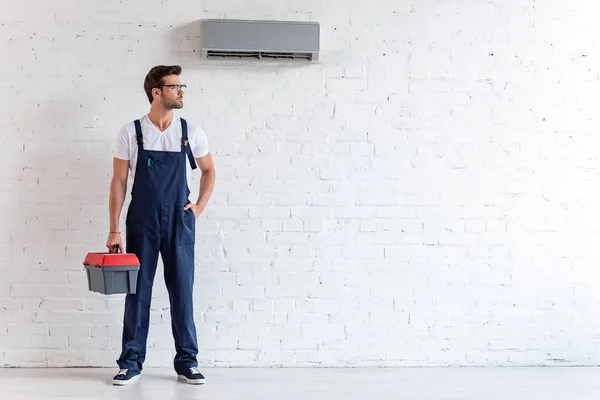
x,y
192,381
117,382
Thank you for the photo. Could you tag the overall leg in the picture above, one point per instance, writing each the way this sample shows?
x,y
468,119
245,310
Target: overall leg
x,y
136,319
178,258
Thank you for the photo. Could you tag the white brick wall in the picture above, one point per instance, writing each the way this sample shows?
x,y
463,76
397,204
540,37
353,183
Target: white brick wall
x,y
427,194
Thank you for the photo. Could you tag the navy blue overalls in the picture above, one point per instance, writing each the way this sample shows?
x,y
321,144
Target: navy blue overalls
x,y
156,222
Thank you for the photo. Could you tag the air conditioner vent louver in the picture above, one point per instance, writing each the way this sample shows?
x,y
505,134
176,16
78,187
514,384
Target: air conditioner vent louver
x,y
258,55
259,40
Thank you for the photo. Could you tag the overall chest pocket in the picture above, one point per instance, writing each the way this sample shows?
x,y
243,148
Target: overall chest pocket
x,y
163,175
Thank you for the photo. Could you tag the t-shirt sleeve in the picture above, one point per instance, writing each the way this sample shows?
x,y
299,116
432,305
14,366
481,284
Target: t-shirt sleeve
x,y
199,142
122,147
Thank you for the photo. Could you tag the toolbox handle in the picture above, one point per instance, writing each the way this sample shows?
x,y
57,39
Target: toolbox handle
x,y
116,248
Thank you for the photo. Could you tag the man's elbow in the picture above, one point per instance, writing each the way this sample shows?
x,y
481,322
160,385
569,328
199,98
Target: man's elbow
x,y
119,181
210,171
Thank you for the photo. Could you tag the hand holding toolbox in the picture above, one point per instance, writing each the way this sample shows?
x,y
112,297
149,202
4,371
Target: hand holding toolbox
x,y
112,273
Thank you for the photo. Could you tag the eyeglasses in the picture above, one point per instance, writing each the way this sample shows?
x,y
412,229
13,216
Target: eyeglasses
x,y
176,86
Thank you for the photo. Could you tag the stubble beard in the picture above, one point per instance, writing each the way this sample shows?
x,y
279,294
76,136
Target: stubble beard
x,y
172,104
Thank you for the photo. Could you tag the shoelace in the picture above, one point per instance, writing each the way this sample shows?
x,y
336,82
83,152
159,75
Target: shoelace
x,y
122,372
195,370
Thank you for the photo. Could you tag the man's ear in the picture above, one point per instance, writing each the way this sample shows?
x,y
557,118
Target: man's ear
x,y
156,92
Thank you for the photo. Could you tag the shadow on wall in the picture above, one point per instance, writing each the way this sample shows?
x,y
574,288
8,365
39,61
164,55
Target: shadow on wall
x,y
184,42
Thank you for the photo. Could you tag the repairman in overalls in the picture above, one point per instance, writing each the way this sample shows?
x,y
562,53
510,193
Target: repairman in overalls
x,y
159,151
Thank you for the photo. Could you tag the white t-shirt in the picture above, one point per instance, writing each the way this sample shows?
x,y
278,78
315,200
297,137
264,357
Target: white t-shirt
x,y
154,139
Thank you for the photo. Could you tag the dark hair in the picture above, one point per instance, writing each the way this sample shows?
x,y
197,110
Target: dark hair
x,y
155,77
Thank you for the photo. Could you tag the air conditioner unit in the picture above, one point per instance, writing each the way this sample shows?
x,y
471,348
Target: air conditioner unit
x,y
259,39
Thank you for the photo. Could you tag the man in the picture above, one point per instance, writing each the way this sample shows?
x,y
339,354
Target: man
x,y
160,151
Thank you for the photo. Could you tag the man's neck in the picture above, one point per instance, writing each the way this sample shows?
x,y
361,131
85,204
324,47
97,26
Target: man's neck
x,y
160,117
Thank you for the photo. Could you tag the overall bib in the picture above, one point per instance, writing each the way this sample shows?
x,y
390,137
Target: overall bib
x,y
156,222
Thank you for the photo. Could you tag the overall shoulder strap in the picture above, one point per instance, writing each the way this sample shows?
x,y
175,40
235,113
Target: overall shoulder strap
x,y
138,133
185,144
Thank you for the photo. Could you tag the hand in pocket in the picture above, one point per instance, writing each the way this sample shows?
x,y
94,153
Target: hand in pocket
x,y
196,209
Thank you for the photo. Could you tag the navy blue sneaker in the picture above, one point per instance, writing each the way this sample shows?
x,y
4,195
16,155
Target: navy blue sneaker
x,y
125,377
192,376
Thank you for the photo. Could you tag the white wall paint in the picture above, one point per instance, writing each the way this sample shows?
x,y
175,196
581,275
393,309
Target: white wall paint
x,y
427,194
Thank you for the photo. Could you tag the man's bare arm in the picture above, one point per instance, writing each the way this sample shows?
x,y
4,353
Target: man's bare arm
x,y
207,181
118,188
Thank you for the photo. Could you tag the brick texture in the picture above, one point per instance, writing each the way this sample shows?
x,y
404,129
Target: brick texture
x,y
426,194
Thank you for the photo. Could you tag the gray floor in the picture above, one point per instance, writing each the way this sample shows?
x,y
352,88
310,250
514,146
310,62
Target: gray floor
x,y
291,384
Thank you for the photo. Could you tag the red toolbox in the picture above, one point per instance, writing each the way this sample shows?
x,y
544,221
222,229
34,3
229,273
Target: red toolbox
x,y
112,273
